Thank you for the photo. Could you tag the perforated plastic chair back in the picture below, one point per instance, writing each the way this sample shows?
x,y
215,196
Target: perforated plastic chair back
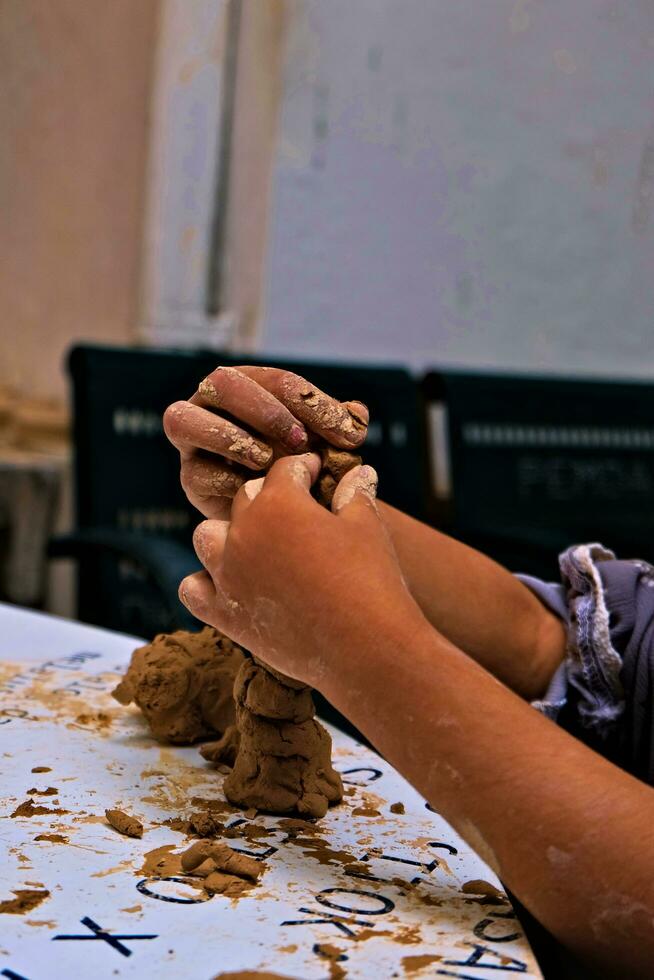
x,y
526,466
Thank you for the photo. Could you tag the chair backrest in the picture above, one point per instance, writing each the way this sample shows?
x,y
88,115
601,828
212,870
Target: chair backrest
x,y
127,474
528,465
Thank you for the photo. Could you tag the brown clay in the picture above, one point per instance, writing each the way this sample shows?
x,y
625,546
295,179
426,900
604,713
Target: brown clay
x,y
335,464
26,900
283,764
224,870
124,824
224,750
182,682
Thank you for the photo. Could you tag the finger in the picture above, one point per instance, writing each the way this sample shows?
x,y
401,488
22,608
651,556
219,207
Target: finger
x,y
358,486
293,473
241,396
209,542
209,477
344,424
198,594
191,427
248,492
213,508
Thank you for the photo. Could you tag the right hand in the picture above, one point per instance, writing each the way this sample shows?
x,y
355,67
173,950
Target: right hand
x,y
286,413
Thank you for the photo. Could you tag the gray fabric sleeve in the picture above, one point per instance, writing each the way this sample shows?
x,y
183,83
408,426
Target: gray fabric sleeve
x,y
604,690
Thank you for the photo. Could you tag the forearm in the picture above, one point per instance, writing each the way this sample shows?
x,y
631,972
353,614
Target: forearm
x,y
569,833
470,599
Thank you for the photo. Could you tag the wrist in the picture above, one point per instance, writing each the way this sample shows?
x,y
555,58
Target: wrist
x,y
362,662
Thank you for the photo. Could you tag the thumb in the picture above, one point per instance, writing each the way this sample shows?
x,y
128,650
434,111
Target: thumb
x,y
357,487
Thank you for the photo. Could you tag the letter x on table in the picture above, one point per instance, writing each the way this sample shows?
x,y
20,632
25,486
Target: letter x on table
x,y
100,933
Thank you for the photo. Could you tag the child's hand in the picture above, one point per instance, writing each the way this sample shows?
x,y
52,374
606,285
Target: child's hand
x,y
217,455
297,585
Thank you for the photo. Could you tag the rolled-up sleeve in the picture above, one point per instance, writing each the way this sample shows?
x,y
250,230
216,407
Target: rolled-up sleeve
x,y
603,692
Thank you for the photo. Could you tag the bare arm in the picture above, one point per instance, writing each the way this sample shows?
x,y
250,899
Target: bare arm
x,y
480,606
321,597
569,833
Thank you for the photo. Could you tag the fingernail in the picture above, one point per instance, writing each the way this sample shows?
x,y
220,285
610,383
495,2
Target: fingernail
x,y
252,488
296,437
368,480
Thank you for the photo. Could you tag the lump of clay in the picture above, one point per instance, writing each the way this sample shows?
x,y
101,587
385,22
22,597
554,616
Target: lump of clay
x,y
335,464
283,761
225,871
123,823
183,684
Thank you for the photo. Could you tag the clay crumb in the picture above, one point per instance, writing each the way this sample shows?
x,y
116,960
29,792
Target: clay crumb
x,y
365,811
397,808
484,892
99,718
53,838
41,769
50,791
124,824
26,900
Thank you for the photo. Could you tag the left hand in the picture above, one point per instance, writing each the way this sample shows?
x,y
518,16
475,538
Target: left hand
x,y
293,583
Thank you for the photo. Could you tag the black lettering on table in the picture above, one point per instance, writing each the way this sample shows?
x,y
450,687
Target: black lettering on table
x,y
443,846
481,928
144,888
506,963
10,714
386,904
329,919
12,976
101,934
374,774
260,855
425,867
71,662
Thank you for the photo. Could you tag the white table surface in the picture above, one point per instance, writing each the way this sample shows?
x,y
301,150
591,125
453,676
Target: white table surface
x,y
405,916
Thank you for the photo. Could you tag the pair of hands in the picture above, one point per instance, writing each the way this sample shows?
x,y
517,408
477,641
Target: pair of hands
x,y
284,577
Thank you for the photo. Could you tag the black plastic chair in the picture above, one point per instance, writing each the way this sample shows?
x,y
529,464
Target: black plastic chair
x,y
524,466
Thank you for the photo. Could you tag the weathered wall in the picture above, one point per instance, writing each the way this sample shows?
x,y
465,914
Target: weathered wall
x,y
74,96
466,183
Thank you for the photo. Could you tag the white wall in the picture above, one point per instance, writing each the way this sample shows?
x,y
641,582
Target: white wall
x,y
466,183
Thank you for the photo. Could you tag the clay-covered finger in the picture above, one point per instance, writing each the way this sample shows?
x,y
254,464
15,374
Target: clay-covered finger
x,y
198,594
191,427
361,480
229,389
209,477
293,472
209,540
343,424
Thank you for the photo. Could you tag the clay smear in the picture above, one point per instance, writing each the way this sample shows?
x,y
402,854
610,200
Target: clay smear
x,y
26,900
